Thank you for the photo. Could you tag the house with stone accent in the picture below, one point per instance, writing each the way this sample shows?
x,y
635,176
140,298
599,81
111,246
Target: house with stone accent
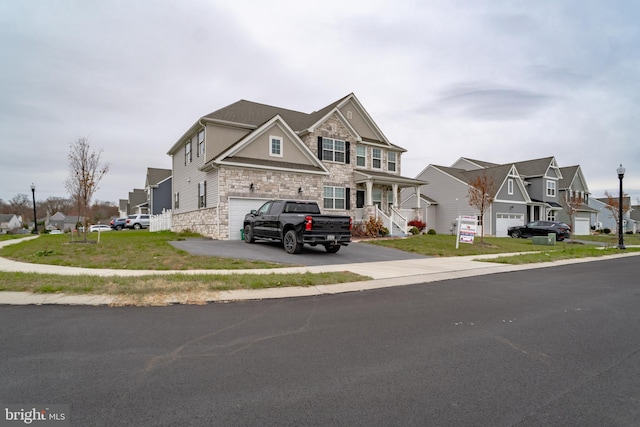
x,y
240,156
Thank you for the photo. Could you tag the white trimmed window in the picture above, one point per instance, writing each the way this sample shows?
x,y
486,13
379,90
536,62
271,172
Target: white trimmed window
x,y
376,195
391,161
202,194
551,214
333,150
376,156
551,189
201,143
275,146
187,153
361,156
334,197
510,186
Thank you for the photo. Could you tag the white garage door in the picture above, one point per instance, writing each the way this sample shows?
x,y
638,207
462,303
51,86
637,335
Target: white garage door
x,y
582,227
238,208
504,221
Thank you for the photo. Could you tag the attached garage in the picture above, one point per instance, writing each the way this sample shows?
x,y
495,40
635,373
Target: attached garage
x,y
238,208
504,221
582,227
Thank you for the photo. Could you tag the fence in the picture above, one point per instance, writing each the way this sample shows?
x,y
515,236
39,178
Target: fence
x,y
161,221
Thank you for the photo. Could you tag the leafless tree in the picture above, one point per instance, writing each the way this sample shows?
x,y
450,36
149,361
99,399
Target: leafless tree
x,y
85,173
613,205
22,205
572,203
57,204
481,193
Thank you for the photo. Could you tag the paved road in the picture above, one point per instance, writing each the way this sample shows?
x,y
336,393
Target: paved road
x,y
273,252
552,346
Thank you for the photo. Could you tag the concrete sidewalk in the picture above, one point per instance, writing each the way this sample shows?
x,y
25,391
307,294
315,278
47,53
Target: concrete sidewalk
x,y
383,274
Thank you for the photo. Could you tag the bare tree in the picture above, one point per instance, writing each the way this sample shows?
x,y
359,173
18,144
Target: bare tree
x,y
57,204
85,175
572,204
613,205
22,205
481,193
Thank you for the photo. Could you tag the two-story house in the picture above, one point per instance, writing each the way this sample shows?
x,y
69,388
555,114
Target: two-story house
x,y
236,158
574,196
158,189
523,192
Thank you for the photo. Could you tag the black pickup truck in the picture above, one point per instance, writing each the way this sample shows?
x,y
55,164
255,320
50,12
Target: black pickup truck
x,y
296,222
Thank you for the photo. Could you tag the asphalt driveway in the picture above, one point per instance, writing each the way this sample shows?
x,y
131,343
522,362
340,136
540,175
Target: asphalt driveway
x,y
356,252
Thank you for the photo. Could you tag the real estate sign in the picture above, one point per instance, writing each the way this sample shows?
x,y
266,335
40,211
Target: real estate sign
x,y
466,229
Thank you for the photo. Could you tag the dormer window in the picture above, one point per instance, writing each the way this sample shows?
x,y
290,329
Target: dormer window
x,y
275,146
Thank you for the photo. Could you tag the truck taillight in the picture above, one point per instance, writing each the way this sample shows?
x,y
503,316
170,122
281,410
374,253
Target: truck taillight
x,y
308,223
350,223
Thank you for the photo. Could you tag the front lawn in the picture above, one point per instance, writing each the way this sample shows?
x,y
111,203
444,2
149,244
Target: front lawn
x,y
126,250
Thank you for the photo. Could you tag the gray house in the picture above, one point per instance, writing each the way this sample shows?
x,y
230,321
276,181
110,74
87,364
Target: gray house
x,y
9,222
158,189
524,191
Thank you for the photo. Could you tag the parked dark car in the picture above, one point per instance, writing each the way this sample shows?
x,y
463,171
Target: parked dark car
x,y
118,223
296,222
541,228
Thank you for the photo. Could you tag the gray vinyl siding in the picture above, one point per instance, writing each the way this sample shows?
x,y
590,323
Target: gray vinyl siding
x,y
445,190
186,179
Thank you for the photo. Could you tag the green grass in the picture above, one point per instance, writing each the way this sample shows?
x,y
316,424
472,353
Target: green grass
x,y
127,250
12,236
153,289
612,239
445,245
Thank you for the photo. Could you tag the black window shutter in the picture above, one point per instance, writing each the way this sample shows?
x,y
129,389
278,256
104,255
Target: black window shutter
x,y
347,154
348,197
205,193
199,204
320,147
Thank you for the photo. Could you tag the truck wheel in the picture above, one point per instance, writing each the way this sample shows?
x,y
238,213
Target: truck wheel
x,y
332,249
136,226
248,234
291,243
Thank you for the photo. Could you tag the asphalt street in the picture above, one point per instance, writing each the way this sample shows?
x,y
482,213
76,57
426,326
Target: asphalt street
x,y
356,252
551,346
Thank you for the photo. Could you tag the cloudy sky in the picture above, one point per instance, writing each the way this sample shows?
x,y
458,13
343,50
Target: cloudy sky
x,y
500,81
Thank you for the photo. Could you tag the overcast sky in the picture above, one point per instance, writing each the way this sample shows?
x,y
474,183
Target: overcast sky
x,y
500,81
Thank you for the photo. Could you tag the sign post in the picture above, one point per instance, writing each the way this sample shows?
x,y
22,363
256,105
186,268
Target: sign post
x,y
466,229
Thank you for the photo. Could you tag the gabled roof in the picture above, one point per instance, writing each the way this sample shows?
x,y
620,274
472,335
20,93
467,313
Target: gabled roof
x,y
363,175
155,176
498,173
6,217
536,167
568,175
479,163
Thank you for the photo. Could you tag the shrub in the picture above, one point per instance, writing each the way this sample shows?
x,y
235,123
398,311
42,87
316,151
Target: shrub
x,y
414,230
418,224
607,230
384,231
373,227
431,231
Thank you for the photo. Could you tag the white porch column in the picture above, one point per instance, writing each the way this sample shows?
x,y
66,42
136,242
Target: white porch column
x,y
418,195
369,195
395,195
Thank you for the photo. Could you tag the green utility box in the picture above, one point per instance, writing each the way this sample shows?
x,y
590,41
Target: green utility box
x,y
548,240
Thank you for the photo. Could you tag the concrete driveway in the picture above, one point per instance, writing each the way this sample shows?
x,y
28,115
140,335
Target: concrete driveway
x,y
356,252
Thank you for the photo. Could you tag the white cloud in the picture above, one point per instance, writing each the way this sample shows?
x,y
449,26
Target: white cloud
x,y
499,81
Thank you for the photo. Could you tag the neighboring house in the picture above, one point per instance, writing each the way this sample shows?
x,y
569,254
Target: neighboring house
x,y
63,222
525,191
136,203
236,158
158,189
604,218
574,196
9,222
635,217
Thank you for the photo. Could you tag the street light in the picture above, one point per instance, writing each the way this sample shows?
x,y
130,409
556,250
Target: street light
x,y
620,171
35,220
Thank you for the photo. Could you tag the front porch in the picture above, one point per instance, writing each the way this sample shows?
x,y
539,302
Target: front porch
x,y
377,196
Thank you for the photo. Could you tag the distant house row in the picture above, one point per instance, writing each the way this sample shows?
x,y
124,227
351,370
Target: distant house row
x,y
234,159
523,191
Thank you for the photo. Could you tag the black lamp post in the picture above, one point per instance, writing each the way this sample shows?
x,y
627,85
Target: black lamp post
x,y
620,171
35,220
